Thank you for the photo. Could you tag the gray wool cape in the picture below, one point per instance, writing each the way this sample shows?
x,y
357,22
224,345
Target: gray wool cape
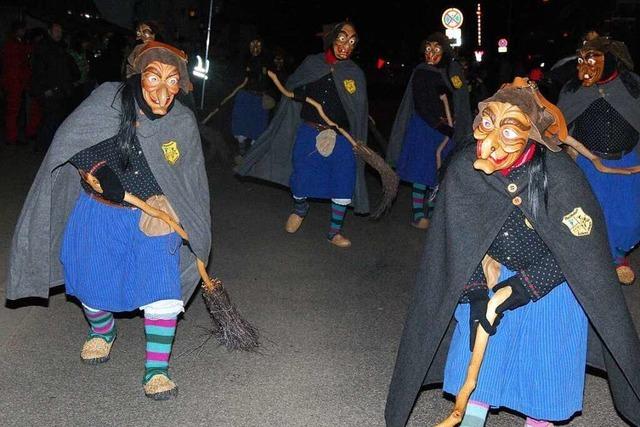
x,y
574,103
270,158
34,264
471,209
461,110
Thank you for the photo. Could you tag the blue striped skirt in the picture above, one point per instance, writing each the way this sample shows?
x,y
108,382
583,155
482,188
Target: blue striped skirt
x,y
248,118
619,197
109,264
332,177
534,364
417,161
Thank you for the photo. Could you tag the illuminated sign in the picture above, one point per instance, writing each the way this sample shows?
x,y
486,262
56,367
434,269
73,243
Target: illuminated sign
x,y
201,70
452,18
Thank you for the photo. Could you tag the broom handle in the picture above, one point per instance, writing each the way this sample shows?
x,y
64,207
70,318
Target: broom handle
x,y
482,338
447,111
224,101
597,162
162,215
318,107
156,213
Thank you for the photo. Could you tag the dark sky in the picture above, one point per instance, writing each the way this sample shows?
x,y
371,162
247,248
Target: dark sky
x,y
393,29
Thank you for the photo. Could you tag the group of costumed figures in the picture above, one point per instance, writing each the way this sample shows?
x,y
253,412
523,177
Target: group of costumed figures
x,y
516,243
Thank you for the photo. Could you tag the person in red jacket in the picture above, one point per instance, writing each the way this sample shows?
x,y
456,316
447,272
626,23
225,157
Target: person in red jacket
x,y
16,74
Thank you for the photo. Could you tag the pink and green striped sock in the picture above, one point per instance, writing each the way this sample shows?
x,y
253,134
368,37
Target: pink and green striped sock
x,y
337,219
159,334
101,322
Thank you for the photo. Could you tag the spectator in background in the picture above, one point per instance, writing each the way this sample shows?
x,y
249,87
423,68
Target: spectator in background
x,y
54,73
79,51
15,77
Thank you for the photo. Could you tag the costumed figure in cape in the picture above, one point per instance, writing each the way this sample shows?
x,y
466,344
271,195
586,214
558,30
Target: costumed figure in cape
x,y
300,150
602,108
133,138
251,106
425,126
517,249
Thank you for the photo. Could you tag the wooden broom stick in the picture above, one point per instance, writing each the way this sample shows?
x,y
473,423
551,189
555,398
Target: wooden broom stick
x,y
492,274
444,142
224,101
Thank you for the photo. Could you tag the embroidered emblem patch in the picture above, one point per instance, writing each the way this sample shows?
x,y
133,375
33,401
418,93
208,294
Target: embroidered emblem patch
x,y
350,86
578,222
456,81
171,152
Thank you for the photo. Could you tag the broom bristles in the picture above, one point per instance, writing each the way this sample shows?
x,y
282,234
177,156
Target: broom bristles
x,y
230,328
389,178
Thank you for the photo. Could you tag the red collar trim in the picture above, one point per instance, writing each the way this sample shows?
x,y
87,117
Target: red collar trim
x,y
611,77
524,158
329,57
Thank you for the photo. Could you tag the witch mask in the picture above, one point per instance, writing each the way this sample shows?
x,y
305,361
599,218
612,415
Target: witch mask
x,y
160,84
345,42
502,134
591,64
255,47
433,53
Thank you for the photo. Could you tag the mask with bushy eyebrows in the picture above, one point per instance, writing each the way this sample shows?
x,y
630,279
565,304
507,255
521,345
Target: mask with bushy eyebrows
x,y
433,53
502,135
590,66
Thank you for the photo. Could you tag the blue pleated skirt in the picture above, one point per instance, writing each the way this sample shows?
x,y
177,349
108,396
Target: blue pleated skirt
x,y
248,118
109,264
534,364
332,177
619,197
417,161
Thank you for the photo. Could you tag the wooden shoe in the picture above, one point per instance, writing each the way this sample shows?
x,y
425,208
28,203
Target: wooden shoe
x,y
95,350
422,223
626,276
160,387
340,241
293,223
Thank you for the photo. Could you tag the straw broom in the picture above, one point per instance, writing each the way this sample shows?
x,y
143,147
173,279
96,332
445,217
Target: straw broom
x,y
390,180
230,328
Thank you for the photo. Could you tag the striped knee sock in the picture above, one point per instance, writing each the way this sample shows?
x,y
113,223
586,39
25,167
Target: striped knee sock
x,y
530,422
300,206
475,415
159,334
101,322
337,218
417,196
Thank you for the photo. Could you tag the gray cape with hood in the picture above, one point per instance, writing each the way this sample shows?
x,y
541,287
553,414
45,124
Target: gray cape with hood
x,y
472,207
574,103
461,110
271,156
34,264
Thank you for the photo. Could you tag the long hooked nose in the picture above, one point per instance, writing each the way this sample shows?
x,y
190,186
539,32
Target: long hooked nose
x,y
488,145
163,95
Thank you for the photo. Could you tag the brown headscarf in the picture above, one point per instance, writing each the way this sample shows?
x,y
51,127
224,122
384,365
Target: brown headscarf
x,y
524,94
144,54
607,45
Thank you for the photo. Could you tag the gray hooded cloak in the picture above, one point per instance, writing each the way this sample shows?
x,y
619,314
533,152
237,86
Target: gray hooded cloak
x,y
34,264
271,156
471,210
461,110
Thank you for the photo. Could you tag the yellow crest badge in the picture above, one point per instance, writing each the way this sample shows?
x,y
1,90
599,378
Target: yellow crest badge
x,y
350,86
171,152
456,81
578,222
